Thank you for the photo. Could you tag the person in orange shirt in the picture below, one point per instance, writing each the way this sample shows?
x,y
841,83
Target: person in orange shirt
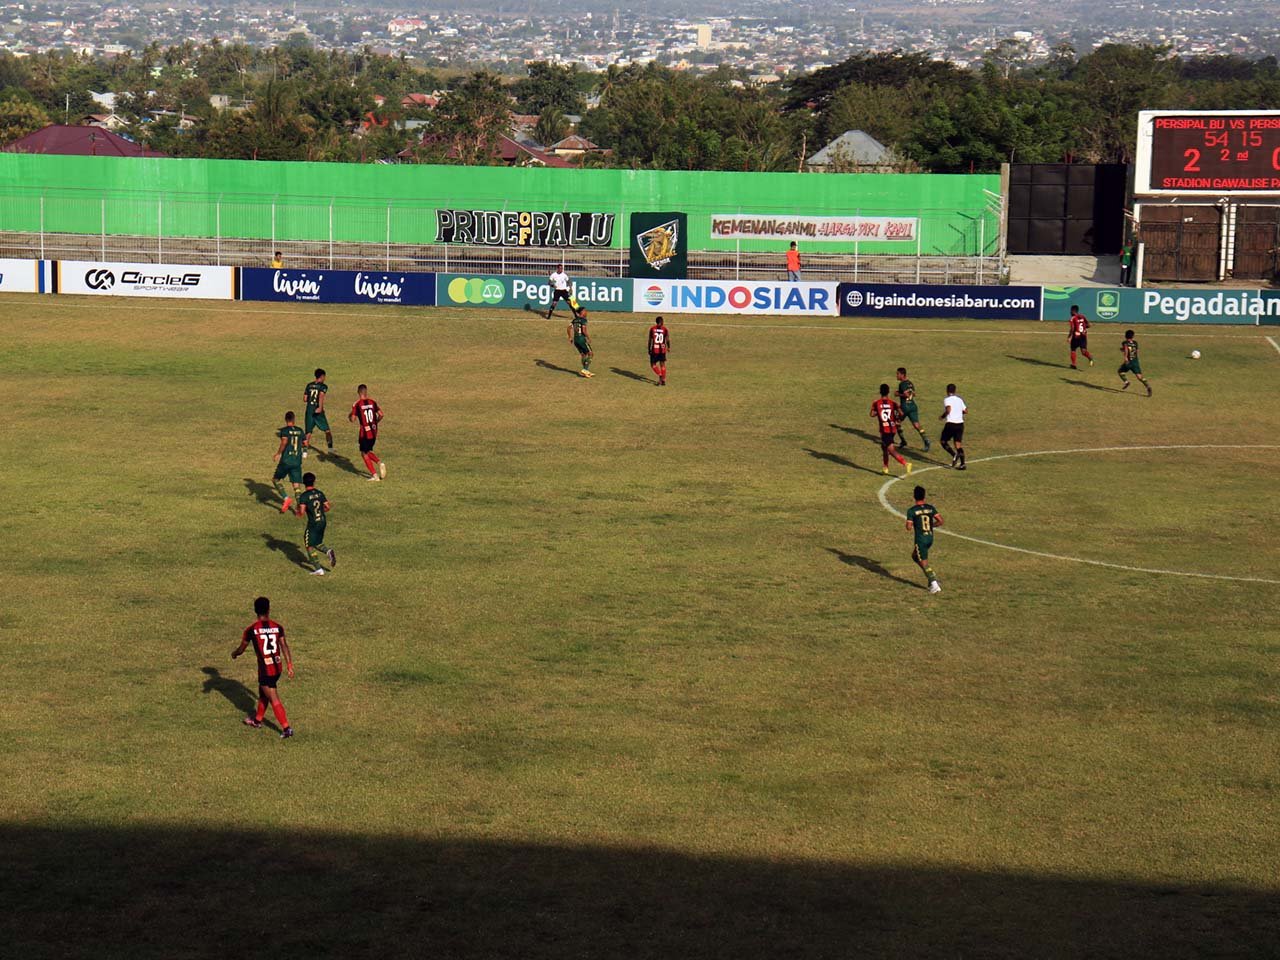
x,y
793,263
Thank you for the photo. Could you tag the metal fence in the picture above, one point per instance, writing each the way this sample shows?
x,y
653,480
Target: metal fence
x,y
964,246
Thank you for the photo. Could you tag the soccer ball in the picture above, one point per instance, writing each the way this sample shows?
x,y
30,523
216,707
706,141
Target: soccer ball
x,y
1195,354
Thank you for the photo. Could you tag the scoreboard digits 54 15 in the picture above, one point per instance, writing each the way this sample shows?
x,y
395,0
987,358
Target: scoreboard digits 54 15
x,y
1218,153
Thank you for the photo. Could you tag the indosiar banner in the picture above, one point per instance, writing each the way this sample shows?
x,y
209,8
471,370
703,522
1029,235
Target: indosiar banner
x,y
660,245
728,296
1163,305
338,286
517,292
939,300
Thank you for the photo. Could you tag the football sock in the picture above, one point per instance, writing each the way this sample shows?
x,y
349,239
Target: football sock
x,y
928,572
368,463
586,362
262,710
374,457
328,439
282,490
961,452
948,449
900,458
278,709
1073,358
1087,354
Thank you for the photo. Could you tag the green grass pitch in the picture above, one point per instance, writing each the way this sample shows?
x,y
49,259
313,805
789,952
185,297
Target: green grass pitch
x,y
607,670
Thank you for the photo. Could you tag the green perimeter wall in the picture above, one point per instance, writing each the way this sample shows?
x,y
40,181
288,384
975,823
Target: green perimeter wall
x,y
236,198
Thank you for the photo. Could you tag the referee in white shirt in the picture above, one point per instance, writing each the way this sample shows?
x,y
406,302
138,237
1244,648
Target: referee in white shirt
x,y
953,411
560,290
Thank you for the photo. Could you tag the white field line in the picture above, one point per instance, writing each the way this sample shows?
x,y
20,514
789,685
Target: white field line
x,y
1272,341
884,502
64,301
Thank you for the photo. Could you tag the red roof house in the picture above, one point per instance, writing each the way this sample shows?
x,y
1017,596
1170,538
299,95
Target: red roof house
x,y
77,141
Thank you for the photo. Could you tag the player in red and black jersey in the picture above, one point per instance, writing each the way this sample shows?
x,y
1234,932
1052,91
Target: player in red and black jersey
x,y
887,413
366,414
272,650
1078,335
659,345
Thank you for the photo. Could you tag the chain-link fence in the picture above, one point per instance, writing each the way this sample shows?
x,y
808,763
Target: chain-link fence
x,y
948,246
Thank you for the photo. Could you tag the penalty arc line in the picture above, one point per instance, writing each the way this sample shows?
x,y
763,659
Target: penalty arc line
x,y
883,492
1272,341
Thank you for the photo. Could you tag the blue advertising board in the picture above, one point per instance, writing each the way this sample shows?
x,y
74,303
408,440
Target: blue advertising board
x,y
939,300
338,286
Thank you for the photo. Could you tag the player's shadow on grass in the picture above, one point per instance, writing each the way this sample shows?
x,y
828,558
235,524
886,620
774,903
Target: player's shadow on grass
x,y
548,365
1038,362
262,492
836,458
871,566
342,463
1090,386
916,453
291,550
631,375
234,692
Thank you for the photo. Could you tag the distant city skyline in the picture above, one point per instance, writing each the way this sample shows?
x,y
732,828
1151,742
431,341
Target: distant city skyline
x,y
763,38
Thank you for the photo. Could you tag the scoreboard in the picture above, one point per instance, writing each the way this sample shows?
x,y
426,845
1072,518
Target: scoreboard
x,y
1218,152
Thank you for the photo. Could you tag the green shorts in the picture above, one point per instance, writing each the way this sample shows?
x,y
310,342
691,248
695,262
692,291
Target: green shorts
x,y
1131,366
314,537
921,552
910,411
581,343
291,470
317,419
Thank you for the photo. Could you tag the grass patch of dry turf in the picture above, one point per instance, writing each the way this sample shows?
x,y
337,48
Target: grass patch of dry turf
x,y
608,670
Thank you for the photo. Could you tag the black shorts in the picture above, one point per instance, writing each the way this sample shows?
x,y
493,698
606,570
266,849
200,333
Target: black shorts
x,y
657,358
887,439
952,431
558,295
265,681
1079,343
366,444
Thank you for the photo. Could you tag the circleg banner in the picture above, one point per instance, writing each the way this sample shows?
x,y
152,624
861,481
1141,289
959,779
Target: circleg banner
x,y
745,297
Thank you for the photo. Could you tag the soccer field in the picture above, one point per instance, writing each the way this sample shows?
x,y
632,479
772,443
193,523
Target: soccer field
x,y
607,670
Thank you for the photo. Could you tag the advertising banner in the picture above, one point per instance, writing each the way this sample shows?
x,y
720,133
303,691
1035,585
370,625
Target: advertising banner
x,y
746,297
483,290
338,286
764,226
525,228
25,276
1156,305
660,245
189,281
939,300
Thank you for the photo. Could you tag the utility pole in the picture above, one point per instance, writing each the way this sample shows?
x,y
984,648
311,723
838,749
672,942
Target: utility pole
x,y
66,113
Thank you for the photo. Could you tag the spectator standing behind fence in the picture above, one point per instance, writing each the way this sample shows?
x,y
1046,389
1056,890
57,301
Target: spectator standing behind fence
x,y
793,263
277,262
1126,264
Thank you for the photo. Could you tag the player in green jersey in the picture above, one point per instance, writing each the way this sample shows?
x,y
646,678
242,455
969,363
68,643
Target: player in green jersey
x,y
922,518
577,334
907,401
313,395
315,506
288,461
1131,365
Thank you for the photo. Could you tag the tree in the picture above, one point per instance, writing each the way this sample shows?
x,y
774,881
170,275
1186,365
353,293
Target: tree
x,y
471,117
552,127
20,117
548,85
